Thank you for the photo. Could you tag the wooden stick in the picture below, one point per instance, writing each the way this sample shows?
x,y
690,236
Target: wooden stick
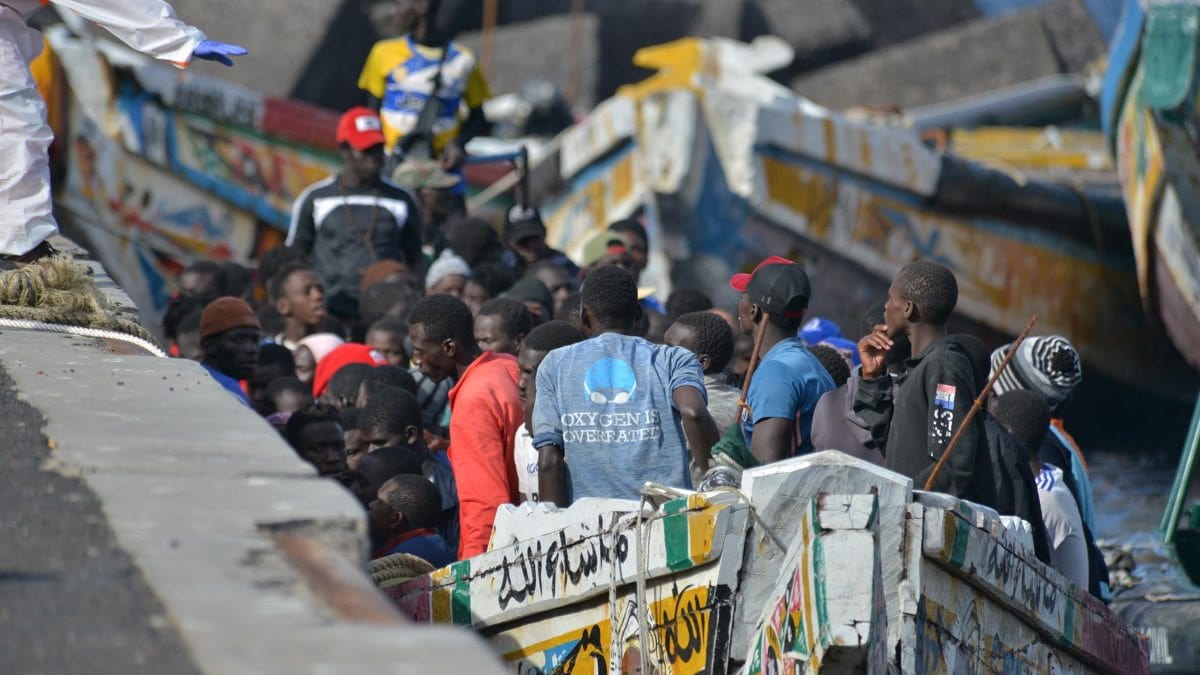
x,y
754,357
937,468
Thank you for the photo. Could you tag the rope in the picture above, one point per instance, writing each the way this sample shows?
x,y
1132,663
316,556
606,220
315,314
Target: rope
x,y
82,331
59,295
643,543
753,513
395,569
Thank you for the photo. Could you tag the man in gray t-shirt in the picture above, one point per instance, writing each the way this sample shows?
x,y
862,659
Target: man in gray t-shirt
x,y
615,411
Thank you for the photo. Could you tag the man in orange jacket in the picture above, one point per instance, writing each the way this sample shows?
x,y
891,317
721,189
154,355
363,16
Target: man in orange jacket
x,y
485,411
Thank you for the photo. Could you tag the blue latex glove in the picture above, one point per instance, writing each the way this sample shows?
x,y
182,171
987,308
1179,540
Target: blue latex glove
x,y
211,50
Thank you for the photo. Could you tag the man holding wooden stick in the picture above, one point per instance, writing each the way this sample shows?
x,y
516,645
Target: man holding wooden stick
x,y
784,388
914,423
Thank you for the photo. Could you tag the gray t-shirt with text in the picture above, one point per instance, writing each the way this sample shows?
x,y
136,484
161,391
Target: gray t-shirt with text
x,y
607,403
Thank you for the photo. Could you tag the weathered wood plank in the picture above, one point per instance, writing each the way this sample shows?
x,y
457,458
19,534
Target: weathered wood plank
x,y
1009,573
827,608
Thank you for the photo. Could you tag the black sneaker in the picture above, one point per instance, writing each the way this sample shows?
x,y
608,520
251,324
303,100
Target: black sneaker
x,y
37,253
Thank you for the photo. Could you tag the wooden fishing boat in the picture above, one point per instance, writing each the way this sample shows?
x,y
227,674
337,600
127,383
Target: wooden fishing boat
x,y
1151,116
817,564
729,167
162,167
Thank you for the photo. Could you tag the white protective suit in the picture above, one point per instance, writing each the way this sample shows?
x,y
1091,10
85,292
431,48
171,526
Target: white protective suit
x,y
149,26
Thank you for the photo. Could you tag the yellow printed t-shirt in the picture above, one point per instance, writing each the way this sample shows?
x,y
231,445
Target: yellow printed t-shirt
x,y
400,74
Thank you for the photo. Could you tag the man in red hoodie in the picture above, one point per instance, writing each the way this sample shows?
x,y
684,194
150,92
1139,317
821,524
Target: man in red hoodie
x,y
485,411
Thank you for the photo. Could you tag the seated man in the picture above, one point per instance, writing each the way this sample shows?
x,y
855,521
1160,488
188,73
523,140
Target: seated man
x,y
315,433
393,418
376,468
616,410
540,342
501,325
402,518
229,336
708,337
1027,417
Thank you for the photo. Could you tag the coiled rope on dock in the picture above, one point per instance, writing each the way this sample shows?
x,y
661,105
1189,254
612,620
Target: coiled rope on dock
x,y
59,295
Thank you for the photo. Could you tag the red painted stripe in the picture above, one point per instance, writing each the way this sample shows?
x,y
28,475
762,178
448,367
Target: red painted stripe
x,y
300,122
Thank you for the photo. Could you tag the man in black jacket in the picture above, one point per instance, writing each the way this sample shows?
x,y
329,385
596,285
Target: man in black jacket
x,y
355,218
913,426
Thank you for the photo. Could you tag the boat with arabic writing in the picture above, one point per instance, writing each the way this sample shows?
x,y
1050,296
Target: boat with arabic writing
x,y
821,563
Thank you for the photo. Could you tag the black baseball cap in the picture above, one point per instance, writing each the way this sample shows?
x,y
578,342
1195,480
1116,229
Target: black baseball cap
x,y
781,290
521,222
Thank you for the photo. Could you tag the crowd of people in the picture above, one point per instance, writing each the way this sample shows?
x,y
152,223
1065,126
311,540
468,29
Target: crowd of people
x,y
440,368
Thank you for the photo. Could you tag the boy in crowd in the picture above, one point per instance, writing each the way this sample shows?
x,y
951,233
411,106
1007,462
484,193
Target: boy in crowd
x,y
402,519
833,362
525,235
386,336
352,437
788,382
274,361
287,395
708,337
342,390
540,342
487,281
299,298
315,433
393,419
535,296
1027,417
913,422
485,411
384,376
555,278
501,325
229,336
623,410
376,468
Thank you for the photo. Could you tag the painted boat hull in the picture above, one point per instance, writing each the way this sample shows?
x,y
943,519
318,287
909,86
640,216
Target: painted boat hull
x,y
843,568
1153,130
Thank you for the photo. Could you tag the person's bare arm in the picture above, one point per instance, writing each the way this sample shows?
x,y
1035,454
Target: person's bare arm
x,y
698,425
552,476
772,440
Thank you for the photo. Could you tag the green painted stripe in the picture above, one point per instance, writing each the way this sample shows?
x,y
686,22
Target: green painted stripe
x,y
1068,636
460,597
818,582
675,533
962,536
675,506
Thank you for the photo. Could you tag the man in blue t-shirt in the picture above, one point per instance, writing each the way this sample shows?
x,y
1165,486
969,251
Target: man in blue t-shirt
x,y
789,380
615,411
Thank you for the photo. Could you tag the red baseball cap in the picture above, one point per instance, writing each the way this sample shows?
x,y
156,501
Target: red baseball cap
x,y
741,280
361,128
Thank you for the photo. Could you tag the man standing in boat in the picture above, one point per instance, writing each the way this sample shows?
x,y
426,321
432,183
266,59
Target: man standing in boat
x,y
914,422
788,382
418,82
615,411
149,26
355,218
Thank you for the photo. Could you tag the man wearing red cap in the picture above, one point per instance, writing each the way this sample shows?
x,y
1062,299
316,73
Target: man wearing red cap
x,y
348,221
229,336
789,380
